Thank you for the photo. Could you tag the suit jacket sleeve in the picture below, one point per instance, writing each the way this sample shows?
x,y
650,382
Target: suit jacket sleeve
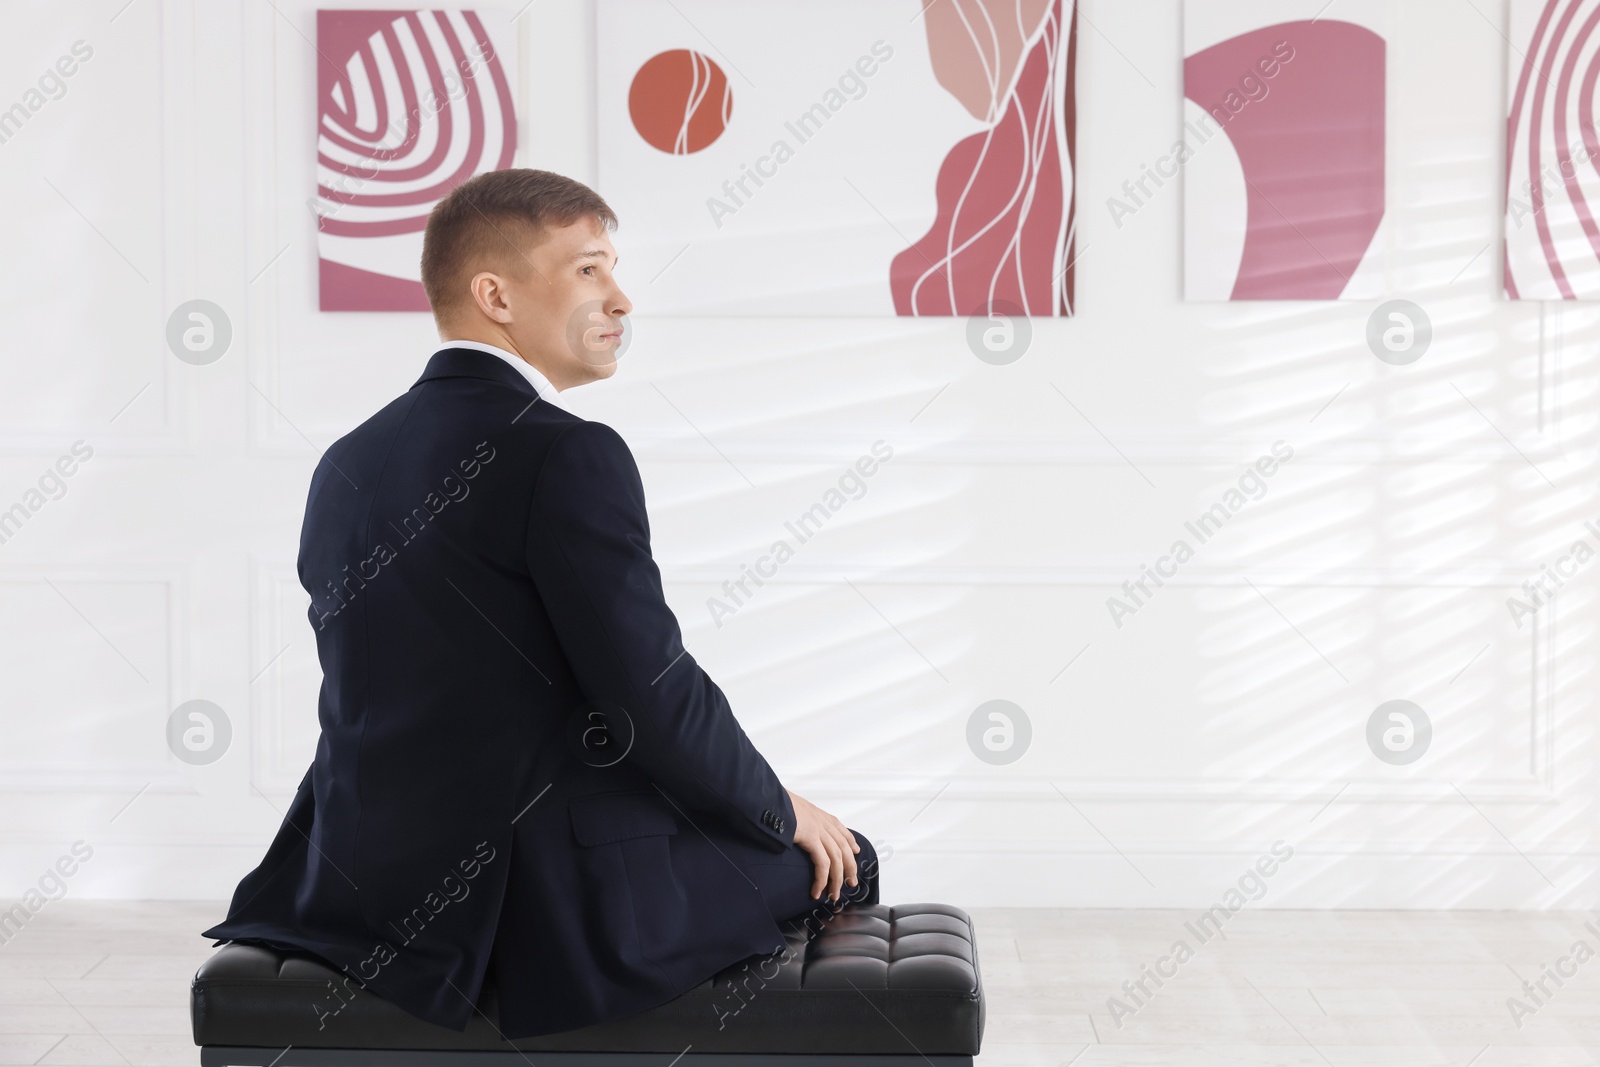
x,y
589,554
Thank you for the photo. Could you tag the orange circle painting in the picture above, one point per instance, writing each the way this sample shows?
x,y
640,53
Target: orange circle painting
x,y
680,101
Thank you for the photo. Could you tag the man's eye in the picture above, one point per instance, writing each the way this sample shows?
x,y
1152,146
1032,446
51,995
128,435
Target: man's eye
x,y
586,270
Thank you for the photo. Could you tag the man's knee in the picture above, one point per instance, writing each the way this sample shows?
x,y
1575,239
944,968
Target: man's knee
x,y
866,868
867,858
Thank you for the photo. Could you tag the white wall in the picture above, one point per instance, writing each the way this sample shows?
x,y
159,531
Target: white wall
x,y
1171,754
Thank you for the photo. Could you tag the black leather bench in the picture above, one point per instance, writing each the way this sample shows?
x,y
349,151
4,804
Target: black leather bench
x,y
885,985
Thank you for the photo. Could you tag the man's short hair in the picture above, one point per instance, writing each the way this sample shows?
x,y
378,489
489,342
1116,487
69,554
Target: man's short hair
x,y
489,220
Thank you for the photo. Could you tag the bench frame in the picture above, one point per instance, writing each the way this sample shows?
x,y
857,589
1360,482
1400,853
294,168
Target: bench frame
x,y
256,1056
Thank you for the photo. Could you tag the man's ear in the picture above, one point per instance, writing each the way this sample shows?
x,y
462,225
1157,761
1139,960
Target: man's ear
x,y
489,294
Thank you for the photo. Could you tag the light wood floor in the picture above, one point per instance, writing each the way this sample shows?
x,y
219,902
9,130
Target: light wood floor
x,y
106,983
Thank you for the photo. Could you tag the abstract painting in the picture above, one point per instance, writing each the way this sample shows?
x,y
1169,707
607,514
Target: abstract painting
x,y
1282,150
1552,171
410,104
842,157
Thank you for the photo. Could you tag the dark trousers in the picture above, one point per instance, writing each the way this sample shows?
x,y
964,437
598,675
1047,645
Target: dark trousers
x,y
785,878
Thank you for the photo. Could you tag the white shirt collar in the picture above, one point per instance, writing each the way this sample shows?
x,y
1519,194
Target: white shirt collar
x,y
540,383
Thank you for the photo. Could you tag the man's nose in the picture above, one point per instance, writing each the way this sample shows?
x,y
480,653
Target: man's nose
x,y
620,304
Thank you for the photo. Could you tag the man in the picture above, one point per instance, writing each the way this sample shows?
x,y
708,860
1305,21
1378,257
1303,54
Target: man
x,y
522,774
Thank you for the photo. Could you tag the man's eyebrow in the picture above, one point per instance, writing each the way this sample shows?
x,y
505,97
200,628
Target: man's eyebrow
x,y
594,253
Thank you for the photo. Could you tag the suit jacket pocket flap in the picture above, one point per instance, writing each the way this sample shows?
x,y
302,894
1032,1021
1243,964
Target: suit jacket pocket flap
x,y
606,817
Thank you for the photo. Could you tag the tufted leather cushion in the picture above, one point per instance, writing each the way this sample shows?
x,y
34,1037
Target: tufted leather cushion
x,y
875,978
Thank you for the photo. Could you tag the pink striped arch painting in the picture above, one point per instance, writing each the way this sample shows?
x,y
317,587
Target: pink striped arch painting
x,y
1552,244
409,105
842,157
1282,150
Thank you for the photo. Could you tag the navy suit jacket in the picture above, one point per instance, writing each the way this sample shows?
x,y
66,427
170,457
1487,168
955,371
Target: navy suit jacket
x,y
519,764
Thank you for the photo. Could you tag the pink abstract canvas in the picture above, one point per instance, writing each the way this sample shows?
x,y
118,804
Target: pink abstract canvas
x,y
409,105
1283,150
844,157
1003,237
1552,249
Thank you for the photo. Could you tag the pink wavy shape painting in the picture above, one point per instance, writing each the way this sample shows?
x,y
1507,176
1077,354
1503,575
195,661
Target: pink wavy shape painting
x,y
1002,238
1311,149
1552,247
409,105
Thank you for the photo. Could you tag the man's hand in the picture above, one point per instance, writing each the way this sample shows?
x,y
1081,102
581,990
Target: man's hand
x,y
829,843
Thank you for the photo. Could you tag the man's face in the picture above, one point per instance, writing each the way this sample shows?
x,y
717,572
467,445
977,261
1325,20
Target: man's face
x,y
565,316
